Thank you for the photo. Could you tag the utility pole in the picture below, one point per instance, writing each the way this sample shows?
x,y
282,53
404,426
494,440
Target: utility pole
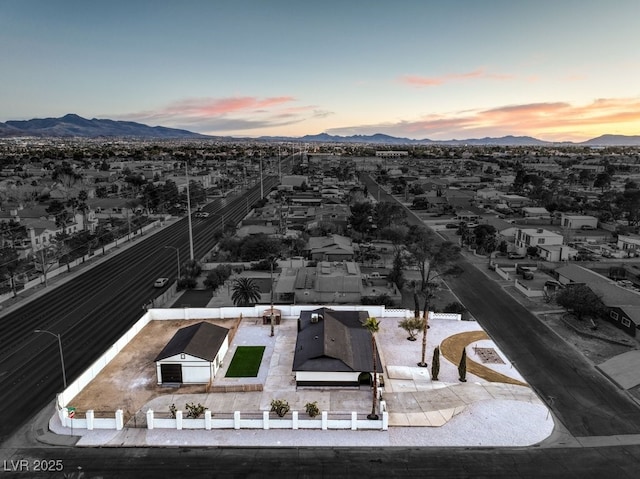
x,y
261,184
279,168
186,174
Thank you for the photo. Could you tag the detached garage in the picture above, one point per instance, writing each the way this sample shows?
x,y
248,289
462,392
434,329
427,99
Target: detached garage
x,y
194,355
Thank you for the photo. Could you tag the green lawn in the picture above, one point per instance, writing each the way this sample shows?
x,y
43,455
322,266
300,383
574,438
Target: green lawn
x,y
246,362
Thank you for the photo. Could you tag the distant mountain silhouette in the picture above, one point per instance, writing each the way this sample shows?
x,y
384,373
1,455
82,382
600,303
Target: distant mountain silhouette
x,y
75,126
72,125
382,139
613,140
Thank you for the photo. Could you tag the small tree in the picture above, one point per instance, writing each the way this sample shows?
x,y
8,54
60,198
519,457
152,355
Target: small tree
x,y
412,326
462,367
581,300
435,363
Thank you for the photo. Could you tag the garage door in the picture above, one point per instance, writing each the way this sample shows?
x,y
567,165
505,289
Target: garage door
x,y
171,373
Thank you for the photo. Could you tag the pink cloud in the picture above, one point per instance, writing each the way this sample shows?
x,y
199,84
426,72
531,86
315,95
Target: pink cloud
x,y
221,106
224,114
420,81
549,120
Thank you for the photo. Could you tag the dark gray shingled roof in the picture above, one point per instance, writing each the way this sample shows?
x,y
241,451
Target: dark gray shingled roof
x,y
202,340
336,343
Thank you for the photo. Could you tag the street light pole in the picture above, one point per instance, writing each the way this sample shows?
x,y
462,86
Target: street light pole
x,y
64,374
178,253
186,173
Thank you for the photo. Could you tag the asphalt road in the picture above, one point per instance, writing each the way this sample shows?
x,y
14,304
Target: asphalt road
x,y
93,309
620,462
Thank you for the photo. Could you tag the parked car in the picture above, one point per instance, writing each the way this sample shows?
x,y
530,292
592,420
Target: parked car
x,y
161,282
525,272
451,226
514,255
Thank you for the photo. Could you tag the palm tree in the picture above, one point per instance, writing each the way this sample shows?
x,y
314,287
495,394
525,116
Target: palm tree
x,y
373,326
245,292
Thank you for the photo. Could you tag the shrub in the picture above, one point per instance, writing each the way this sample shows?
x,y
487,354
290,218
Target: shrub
x,y
454,307
187,283
412,326
435,364
312,408
462,367
381,299
195,411
172,411
280,407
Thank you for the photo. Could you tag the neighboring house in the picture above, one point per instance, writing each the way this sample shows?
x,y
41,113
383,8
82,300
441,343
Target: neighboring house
x,y
294,181
337,215
252,230
468,216
488,194
330,248
534,212
333,349
337,282
623,305
515,201
104,208
576,222
530,238
556,252
630,244
193,355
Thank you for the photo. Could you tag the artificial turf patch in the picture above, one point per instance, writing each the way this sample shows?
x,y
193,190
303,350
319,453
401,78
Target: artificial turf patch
x,y
246,362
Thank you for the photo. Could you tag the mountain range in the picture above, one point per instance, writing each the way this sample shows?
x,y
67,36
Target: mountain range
x,y
72,125
75,126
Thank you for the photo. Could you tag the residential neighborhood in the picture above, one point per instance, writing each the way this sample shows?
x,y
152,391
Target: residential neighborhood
x,y
339,234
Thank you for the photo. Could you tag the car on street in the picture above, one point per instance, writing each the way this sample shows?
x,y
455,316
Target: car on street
x,y
201,214
161,282
451,226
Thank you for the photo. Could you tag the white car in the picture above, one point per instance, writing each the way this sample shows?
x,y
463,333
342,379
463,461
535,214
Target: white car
x,y
201,214
161,282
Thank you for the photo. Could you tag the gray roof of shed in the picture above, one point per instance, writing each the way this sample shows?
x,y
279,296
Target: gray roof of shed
x,y
202,340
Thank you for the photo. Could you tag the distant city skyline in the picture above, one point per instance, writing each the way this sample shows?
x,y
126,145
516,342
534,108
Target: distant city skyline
x,y
563,70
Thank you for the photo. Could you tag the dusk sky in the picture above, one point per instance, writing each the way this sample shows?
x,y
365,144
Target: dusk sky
x,y
552,69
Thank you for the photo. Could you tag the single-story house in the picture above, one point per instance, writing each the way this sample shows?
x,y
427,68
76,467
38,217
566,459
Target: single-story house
x,y
193,355
330,248
623,305
630,244
535,212
556,252
575,222
334,349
